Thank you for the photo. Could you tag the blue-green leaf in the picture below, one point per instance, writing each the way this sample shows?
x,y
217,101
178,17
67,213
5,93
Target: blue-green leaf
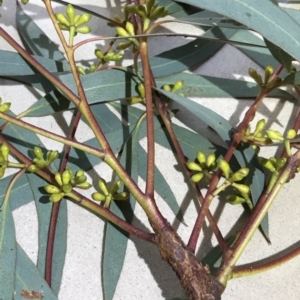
x,y
35,39
211,19
263,16
8,251
194,53
177,10
28,280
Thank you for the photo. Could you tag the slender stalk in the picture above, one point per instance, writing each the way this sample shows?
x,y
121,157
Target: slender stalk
x,y
232,255
149,118
242,271
53,136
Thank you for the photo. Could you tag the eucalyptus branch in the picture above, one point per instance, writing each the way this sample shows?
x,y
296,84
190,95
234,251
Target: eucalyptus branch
x,y
232,255
53,136
149,117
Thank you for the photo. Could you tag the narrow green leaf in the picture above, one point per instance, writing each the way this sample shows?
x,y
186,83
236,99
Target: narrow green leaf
x,y
8,251
208,18
110,84
12,64
115,242
245,157
35,39
207,86
20,193
263,16
193,53
281,56
29,279
44,209
161,185
262,56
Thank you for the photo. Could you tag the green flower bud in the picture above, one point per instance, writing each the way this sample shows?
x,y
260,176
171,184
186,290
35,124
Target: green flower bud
x,y
25,1
224,166
52,155
52,189
63,27
58,178
62,19
260,126
103,186
130,28
149,5
242,188
211,158
80,70
158,12
83,19
4,149
38,152
269,70
291,134
66,176
2,171
121,196
84,185
92,68
77,17
99,53
239,175
177,86
167,88
252,73
134,100
79,173
141,90
115,186
123,46
280,162
122,32
83,29
233,199
71,13
79,179
141,11
193,166
266,163
98,196
201,158
32,169
197,177
40,163
56,197
5,107
67,188
274,135
131,9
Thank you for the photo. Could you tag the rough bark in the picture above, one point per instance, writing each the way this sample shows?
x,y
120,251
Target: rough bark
x,y
195,278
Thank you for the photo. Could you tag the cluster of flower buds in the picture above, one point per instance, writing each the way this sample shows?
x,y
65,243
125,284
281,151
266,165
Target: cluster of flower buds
x,y
128,32
178,85
65,183
266,83
4,107
71,20
4,153
40,162
203,167
272,164
109,193
257,135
